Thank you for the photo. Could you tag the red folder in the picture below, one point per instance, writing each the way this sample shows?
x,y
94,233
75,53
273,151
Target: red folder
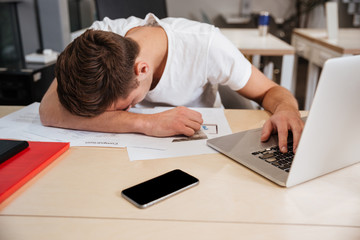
x,y
19,169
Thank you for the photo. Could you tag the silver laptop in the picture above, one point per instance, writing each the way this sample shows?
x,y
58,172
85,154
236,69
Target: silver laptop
x,y
330,139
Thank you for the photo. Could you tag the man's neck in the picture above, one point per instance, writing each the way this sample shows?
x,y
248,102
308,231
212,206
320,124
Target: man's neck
x,y
153,44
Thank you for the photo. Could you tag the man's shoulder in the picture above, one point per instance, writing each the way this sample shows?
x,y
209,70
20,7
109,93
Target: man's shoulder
x,y
187,25
119,26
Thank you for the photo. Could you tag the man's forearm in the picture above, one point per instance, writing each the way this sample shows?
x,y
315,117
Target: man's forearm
x,y
279,99
176,121
179,120
114,121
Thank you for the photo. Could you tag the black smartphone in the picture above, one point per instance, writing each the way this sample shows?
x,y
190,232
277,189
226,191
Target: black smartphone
x,y
159,188
9,148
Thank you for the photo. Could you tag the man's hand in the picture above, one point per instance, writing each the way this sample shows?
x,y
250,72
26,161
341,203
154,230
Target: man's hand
x,y
179,120
281,122
278,101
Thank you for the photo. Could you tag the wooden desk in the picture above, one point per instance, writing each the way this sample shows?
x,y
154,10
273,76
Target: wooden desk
x,y
313,45
250,43
78,197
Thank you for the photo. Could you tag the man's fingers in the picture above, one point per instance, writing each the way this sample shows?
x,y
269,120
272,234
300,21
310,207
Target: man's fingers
x,y
296,131
283,136
266,131
191,127
188,131
189,114
189,121
195,116
282,123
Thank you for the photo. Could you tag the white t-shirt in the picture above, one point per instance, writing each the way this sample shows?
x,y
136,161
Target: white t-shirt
x,y
199,58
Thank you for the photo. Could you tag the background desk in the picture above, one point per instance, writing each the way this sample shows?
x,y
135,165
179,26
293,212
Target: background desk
x,y
250,43
78,197
313,45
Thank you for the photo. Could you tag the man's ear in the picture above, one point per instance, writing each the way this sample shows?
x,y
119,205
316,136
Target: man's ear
x,y
141,69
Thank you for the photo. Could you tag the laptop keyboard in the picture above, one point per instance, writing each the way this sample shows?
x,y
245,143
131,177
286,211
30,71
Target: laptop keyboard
x,y
275,157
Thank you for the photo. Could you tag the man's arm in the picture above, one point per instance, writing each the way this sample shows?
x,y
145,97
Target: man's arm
x,y
280,102
179,120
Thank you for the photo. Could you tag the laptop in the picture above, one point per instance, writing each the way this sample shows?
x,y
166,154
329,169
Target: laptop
x,y
330,139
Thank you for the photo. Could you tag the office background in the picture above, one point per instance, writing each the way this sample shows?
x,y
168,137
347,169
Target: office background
x,y
61,17
79,195
59,20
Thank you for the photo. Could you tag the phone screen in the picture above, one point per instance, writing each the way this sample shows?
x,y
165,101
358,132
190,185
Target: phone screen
x,y
156,189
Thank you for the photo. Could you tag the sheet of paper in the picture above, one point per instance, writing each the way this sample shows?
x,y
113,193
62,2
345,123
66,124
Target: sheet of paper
x,y
25,124
215,125
22,118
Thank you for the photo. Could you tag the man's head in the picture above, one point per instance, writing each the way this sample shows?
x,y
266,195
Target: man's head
x,y
94,71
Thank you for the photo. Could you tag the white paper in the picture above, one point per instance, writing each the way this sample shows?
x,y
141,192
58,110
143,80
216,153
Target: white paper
x,y
25,124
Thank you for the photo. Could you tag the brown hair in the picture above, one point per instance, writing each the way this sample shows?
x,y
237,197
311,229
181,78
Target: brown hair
x,y
95,70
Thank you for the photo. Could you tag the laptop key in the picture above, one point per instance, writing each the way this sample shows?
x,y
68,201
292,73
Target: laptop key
x,y
267,155
270,159
276,158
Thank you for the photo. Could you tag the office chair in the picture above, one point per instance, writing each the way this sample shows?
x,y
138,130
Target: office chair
x,y
125,8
